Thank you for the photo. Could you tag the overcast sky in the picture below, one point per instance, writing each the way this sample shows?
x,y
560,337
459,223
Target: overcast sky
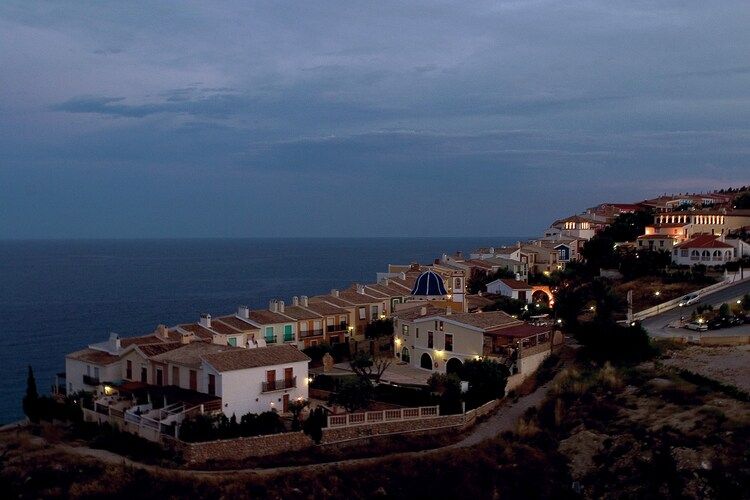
x,y
155,119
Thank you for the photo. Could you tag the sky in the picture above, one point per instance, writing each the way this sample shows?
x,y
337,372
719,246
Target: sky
x,y
355,119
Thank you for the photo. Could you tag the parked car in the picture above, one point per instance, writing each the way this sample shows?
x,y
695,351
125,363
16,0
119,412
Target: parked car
x,y
689,299
698,327
716,324
735,320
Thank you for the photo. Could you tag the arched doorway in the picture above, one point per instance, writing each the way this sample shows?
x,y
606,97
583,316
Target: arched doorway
x,y
453,366
540,297
425,361
405,355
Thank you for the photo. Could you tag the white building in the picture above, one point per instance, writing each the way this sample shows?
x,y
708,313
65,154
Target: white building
x,y
704,249
255,380
515,289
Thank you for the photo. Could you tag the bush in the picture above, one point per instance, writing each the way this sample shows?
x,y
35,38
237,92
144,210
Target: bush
x,y
209,428
486,379
614,342
353,394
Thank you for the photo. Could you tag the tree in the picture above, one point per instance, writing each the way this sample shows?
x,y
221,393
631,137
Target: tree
x,y
742,201
478,279
486,379
368,367
724,310
31,399
315,424
296,407
353,394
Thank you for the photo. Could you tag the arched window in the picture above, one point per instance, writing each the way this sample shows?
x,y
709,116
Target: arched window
x,y
425,361
728,255
717,254
706,255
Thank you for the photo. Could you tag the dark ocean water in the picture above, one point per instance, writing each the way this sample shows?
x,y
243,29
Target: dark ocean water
x,y
59,296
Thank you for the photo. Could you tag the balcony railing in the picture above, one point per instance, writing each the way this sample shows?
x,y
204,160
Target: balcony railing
x,y
341,327
288,337
279,385
311,333
270,339
89,380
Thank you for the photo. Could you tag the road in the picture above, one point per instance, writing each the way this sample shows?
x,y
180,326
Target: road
x,y
658,326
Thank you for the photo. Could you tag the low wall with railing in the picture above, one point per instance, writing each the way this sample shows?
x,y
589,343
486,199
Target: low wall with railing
x,y
374,417
730,280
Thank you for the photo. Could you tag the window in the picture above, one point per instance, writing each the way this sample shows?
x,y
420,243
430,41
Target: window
x,y
288,373
440,325
661,243
362,313
417,334
448,342
683,252
457,283
176,375
232,341
430,336
193,380
129,370
405,329
270,337
211,384
288,334
640,243
96,372
373,312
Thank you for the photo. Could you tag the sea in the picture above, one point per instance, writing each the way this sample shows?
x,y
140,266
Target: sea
x,y
58,296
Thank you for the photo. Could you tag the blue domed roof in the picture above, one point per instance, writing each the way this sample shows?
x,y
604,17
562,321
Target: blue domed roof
x,y
429,284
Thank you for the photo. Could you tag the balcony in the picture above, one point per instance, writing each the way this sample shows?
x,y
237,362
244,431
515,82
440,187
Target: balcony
x,y
279,385
270,339
341,327
89,380
288,337
311,333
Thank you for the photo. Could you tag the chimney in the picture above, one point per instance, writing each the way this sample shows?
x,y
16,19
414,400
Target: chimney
x,y
437,261
402,276
205,320
114,342
492,250
459,254
335,292
423,311
243,312
360,289
281,306
185,338
295,301
273,305
161,331
386,282
448,311
445,257
304,301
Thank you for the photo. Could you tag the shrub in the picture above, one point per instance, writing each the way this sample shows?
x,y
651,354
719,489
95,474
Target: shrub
x,y
486,379
353,394
315,423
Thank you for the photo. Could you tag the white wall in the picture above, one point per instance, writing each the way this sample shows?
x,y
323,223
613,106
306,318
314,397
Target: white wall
x,y
240,390
75,370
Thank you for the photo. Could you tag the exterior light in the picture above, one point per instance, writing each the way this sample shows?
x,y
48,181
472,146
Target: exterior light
x,y
739,301
309,380
559,322
398,341
657,293
592,308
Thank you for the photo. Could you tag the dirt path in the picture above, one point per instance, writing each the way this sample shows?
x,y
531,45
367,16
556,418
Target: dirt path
x,y
503,420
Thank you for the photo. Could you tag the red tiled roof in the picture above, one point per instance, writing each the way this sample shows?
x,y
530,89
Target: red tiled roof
x,y
241,359
516,285
237,323
266,317
519,331
656,237
704,241
94,356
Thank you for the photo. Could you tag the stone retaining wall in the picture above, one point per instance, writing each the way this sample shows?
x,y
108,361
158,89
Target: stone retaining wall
x,y
240,448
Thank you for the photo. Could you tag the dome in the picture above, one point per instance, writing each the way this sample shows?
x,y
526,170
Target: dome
x,y
429,284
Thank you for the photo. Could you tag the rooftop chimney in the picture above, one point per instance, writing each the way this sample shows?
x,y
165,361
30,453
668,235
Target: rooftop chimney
x,y
281,306
295,301
304,301
335,292
445,257
273,305
360,289
205,320
243,312
386,282
423,311
402,276
161,331
114,342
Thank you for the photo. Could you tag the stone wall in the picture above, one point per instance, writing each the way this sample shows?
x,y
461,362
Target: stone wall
x,y
240,448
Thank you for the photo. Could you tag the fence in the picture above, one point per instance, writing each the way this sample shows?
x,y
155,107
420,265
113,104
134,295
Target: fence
x,y
374,417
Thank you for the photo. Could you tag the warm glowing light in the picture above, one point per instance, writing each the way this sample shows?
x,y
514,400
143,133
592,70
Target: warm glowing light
x,y
657,293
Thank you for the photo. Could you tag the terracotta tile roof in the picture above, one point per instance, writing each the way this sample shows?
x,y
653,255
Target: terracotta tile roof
x,y
199,331
190,354
477,302
490,320
150,350
223,328
519,331
479,263
266,317
353,296
330,299
298,313
516,285
325,309
390,290
242,359
415,312
94,356
704,241
656,237
236,323
373,291
143,339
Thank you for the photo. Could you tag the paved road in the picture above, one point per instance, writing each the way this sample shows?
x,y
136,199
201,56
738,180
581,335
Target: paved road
x,y
658,326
